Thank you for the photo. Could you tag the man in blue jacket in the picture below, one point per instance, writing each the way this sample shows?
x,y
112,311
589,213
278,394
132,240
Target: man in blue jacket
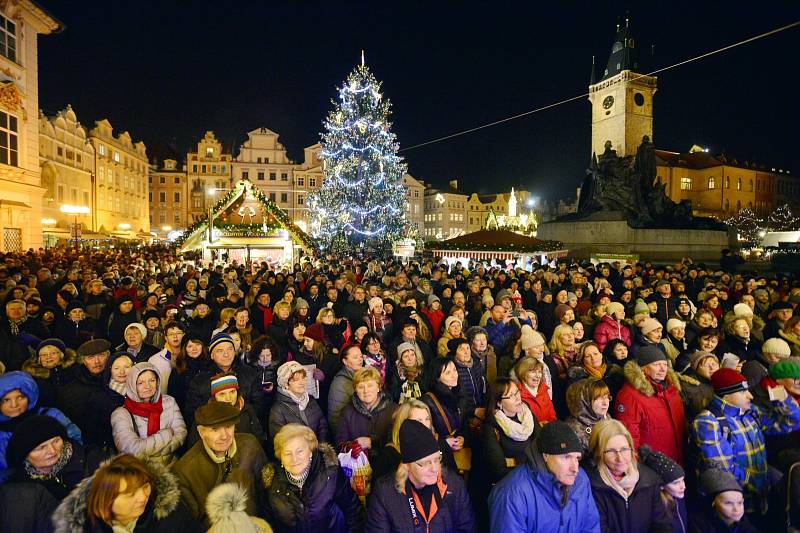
x,y
550,492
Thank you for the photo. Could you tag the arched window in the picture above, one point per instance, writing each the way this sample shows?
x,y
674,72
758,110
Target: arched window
x,y
739,184
727,182
711,182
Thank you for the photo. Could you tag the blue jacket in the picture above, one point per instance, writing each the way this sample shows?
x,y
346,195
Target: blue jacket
x,y
27,386
528,499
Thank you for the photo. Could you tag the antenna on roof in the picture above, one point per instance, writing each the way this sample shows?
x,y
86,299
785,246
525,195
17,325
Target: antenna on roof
x,y
362,58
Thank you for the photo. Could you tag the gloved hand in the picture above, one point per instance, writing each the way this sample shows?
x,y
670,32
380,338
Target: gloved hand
x,y
318,375
354,448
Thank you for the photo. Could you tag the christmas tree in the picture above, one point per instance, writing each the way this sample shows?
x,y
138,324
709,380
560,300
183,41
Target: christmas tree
x,y
782,219
747,225
360,205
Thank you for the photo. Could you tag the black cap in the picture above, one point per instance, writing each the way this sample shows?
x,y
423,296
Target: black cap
x,y
557,438
453,344
416,441
662,465
649,354
29,434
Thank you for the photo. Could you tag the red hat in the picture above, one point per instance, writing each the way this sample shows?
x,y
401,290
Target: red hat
x,y
728,381
315,331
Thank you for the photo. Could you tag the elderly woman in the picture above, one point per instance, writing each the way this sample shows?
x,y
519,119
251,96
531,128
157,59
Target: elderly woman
x,y
148,422
452,330
739,342
365,422
126,494
508,430
696,389
309,492
406,383
588,401
19,398
534,392
293,404
135,335
627,493
650,333
40,452
52,367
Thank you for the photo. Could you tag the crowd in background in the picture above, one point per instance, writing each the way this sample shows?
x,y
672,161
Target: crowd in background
x,y
144,392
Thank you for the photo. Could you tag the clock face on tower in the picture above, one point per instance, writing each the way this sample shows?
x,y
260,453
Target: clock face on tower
x,y
608,101
638,99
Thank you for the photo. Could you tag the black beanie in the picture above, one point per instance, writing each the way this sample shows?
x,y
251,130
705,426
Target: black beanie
x,y
29,434
416,441
453,344
557,438
662,465
649,354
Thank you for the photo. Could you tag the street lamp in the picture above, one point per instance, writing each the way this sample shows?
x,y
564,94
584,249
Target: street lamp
x,y
75,210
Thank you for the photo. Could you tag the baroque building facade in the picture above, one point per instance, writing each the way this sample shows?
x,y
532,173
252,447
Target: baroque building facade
x,y
445,212
168,197
209,175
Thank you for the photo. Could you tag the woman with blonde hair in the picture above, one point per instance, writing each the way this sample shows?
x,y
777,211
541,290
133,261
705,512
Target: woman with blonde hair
x,y
332,326
534,392
627,493
563,349
225,316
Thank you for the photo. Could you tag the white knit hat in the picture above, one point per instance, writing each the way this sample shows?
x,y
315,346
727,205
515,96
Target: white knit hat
x,y
776,346
673,323
742,311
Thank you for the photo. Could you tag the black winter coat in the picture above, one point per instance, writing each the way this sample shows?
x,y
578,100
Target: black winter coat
x,y
117,324
74,400
325,503
199,391
26,507
497,447
202,328
178,385
642,513
84,462
286,411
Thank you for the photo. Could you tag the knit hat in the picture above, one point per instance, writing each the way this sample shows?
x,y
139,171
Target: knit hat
x,y
218,339
94,347
453,344
728,381
375,302
662,465
561,310
759,292
152,313
449,320
58,343
788,368
661,283
226,508
316,332
572,297
557,438
141,327
698,357
29,434
714,481
648,325
404,347
649,354
286,371
223,383
530,337
673,323
74,304
614,307
416,441
214,414
776,346
641,308
300,303
742,311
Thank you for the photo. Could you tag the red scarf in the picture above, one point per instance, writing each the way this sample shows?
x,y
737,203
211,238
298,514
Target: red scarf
x,y
151,411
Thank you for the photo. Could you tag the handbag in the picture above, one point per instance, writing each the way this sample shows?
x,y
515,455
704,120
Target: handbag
x,y
358,471
463,457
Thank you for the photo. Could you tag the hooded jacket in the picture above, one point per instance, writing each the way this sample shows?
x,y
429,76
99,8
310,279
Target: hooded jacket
x,y
286,411
582,417
130,431
529,500
164,512
24,383
653,413
326,502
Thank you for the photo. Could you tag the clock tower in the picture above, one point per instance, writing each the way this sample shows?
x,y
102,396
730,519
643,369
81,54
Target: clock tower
x,y
622,101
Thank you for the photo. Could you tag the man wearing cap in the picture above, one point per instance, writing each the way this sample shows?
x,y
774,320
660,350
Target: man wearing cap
x,y
549,492
73,399
730,433
220,456
223,357
424,495
649,403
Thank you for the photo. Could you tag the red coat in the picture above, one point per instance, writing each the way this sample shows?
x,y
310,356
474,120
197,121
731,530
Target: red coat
x,y
652,414
609,329
435,318
541,405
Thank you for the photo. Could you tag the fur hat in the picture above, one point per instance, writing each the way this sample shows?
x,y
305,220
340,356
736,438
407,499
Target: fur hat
x,y
226,506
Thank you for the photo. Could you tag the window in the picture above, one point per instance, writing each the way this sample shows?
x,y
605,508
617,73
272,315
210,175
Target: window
x,y
245,175
60,151
284,176
711,182
301,199
222,169
194,169
162,197
203,169
312,182
416,194
258,160
116,157
686,184
8,38
177,181
284,197
301,181
162,217
272,176
213,169
150,194
197,202
260,176
272,197
101,149
739,184
8,138
176,197
209,152
162,180
150,180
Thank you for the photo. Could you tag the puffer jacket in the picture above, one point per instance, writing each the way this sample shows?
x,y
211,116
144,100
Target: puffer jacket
x,y
609,329
388,510
130,431
50,380
529,500
326,502
472,381
286,411
27,386
164,512
582,417
653,413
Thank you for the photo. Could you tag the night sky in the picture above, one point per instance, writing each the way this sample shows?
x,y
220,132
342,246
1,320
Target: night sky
x,y
169,71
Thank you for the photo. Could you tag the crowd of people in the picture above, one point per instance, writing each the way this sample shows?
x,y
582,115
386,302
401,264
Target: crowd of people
x,y
144,392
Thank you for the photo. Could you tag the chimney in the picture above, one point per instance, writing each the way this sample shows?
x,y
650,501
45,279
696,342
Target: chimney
x,y
454,184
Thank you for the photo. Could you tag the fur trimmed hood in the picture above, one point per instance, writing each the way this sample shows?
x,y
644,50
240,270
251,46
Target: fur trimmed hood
x,y
635,377
326,451
71,517
33,367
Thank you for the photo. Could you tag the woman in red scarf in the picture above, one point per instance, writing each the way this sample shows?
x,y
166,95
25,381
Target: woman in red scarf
x,y
148,422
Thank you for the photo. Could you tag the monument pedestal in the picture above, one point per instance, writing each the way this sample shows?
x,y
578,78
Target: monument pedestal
x,y
608,232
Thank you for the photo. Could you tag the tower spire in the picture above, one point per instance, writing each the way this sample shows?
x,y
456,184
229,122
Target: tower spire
x,y
623,52
362,58
592,78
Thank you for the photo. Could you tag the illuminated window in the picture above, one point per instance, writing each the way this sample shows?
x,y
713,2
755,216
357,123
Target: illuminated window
x,y
8,140
686,184
711,182
739,184
8,38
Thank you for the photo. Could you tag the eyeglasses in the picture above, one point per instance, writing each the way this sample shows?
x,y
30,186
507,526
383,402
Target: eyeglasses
x,y
619,453
437,462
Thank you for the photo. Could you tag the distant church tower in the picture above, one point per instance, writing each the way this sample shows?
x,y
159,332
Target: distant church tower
x,y
622,101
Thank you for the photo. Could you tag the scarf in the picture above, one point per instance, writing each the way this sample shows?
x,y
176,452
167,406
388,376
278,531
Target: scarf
x,y
519,431
408,373
117,387
299,481
624,487
596,373
14,326
66,455
376,361
151,411
301,401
